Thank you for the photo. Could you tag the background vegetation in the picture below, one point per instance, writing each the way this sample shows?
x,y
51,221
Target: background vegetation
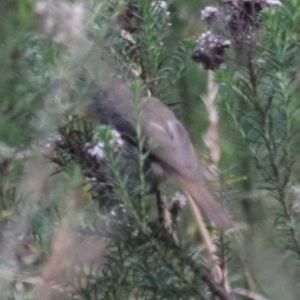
x,y
77,219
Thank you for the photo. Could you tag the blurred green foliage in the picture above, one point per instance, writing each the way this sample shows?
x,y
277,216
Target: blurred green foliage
x,y
48,74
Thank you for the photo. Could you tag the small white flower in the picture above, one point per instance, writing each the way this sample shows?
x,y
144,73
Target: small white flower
x,y
135,232
51,141
116,140
209,13
115,134
273,3
159,4
226,43
261,3
179,198
96,150
210,50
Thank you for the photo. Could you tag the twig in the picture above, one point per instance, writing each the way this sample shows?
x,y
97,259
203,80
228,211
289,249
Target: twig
x,y
212,142
248,294
202,272
215,288
210,246
212,137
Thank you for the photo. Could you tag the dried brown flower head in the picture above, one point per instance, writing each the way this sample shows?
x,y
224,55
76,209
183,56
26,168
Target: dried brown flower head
x,y
210,50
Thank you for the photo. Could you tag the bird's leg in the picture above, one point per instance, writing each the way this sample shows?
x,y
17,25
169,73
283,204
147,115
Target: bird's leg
x,y
159,205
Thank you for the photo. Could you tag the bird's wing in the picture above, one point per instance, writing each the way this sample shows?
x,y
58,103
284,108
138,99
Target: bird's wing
x,y
173,147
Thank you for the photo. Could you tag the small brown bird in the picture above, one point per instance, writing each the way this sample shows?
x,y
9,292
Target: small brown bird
x,y
172,150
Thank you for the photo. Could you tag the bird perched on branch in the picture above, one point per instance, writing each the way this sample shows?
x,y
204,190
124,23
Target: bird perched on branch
x,y
172,150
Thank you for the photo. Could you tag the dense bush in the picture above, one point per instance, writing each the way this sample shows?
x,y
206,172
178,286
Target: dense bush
x,y
82,214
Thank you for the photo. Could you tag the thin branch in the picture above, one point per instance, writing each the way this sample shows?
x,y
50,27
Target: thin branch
x,y
212,135
213,286
210,246
248,294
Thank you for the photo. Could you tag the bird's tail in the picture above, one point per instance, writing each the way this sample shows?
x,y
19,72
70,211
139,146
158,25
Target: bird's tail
x,y
203,199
